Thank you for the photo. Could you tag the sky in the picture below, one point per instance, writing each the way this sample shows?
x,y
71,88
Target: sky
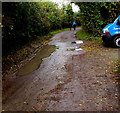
x,y
60,2
75,7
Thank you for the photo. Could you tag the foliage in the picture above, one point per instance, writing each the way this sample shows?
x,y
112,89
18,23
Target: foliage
x,y
77,18
66,15
57,31
95,15
81,34
69,13
25,21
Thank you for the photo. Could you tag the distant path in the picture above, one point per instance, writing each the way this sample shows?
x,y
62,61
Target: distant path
x,y
70,79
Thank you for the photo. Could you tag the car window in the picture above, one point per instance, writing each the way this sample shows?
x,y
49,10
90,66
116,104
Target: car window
x,y
115,20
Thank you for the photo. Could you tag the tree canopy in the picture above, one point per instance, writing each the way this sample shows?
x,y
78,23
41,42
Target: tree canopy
x,y
24,21
95,15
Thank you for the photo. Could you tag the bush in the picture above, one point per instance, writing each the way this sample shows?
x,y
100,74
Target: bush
x,y
24,21
95,15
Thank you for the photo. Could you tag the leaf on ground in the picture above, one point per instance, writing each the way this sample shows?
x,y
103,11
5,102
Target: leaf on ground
x,y
106,70
80,104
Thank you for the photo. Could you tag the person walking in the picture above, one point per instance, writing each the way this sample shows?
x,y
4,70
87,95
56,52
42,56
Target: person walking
x,y
74,25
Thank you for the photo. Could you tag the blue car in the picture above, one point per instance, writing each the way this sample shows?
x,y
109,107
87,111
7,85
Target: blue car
x,y
111,33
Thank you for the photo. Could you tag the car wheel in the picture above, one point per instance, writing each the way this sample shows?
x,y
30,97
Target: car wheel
x,y
117,41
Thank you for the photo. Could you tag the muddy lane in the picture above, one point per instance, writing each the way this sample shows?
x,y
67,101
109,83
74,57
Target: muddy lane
x,y
29,88
73,78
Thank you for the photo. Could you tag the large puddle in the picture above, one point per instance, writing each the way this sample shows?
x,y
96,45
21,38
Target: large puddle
x,y
37,60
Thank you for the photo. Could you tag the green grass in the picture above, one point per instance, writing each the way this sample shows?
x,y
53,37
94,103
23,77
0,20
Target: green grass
x,y
49,35
57,31
86,36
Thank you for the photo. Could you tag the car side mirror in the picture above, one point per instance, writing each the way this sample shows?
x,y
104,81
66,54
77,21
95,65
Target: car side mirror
x,y
118,22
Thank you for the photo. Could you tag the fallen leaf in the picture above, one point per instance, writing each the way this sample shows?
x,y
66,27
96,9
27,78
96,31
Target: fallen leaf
x,y
106,70
80,104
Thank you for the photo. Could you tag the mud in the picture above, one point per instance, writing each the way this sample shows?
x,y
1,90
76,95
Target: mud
x,y
69,79
33,64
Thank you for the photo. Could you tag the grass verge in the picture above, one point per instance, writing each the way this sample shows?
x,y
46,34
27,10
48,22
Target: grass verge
x,y
57,31
44,39
86,36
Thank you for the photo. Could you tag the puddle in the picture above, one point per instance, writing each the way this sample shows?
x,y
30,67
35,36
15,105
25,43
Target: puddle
x,y
79,42
36,61
70,49
74,49
79,49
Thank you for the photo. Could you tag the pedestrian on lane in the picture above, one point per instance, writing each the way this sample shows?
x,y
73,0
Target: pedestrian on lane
x,y
74,25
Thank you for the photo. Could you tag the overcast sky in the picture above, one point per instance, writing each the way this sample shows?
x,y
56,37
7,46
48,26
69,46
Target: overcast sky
x,y
60,2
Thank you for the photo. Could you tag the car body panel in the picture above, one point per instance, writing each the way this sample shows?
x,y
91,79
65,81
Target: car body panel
x,y
113,28
110,31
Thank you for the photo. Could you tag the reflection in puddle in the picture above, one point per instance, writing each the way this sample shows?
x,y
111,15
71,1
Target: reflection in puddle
x,y
70,49
79,49
37,60
79,42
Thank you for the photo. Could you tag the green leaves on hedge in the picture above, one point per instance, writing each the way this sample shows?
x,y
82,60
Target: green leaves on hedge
x,y
95,15
24,21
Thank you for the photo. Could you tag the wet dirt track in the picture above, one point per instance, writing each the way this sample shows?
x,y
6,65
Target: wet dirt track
x,y
70,79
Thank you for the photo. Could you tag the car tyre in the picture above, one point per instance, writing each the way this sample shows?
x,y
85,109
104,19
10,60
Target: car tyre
x,y
117,41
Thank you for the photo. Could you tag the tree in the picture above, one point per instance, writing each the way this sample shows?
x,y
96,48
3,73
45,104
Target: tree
x,y
24,21
95,15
